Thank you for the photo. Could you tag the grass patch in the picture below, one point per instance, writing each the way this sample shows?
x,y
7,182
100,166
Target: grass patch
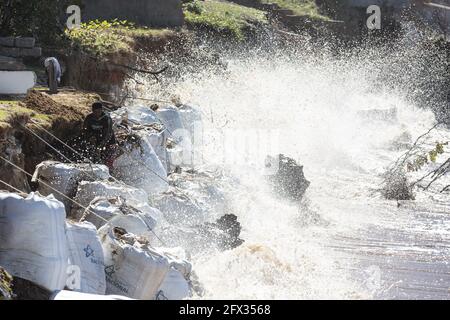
x,y
223,17
306,8
104,37
9,108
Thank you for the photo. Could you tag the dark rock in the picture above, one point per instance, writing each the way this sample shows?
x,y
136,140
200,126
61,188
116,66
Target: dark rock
x,y
7,41
224,232
5,285
25,42
27,290
288,179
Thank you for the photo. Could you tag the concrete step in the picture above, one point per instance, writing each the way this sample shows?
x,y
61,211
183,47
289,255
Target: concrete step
x,y
7,41
16,82
21,52
11,64
25,42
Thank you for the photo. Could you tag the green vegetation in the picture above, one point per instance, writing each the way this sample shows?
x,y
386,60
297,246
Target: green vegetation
x,y
10,108
422,159
299,7
104,37
33,18
5,285
224,17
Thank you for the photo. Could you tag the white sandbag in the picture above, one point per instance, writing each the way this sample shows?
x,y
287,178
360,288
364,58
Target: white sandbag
x,y
103,210
158,141
131,271
73,295
33,243
174,287
65,177
89,190
177,260
140,167
86,252
171,119
191,119
175,158
141,114
178,208
132,223
139,220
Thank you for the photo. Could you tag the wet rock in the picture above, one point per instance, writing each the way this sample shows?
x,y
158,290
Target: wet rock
x,y
223,234
5,285
27,290
288,179
229,231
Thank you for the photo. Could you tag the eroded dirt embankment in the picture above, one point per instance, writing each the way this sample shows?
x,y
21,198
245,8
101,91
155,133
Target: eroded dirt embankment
x,y
22,122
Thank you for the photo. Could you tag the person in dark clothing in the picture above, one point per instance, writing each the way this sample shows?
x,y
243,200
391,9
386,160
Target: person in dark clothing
x,y
99,135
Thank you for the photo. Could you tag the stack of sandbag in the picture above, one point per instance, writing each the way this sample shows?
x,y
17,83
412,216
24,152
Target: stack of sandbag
x,y
86,254
179,208
176,284
139,220
132,269
33,243
89,190
139,166
64,177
